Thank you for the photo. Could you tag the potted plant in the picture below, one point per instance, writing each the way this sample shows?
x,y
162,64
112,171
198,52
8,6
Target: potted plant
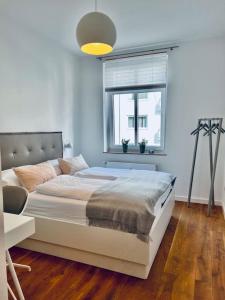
x,y
142,145
125,145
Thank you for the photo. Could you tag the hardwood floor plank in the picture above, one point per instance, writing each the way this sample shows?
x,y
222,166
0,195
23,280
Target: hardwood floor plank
x,y
190,264
185,254
218,258
203,276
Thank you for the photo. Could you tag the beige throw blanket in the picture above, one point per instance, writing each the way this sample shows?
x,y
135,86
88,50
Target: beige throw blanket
x,y
127,204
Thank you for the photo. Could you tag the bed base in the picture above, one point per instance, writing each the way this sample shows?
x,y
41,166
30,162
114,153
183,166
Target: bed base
x,y
105,248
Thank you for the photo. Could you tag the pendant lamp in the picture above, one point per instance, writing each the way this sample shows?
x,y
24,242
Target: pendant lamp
x,y
96,33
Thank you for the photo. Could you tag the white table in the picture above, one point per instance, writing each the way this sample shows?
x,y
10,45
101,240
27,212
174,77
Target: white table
x,y
17,228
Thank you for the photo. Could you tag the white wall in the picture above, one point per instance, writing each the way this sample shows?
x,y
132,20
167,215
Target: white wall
x,y
196,89
38,83
38,92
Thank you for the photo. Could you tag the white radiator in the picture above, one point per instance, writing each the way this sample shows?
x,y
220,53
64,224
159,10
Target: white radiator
x,y
130,165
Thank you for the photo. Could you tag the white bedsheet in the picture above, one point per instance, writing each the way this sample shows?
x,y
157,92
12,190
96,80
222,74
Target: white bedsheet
x,y
65,209
57,208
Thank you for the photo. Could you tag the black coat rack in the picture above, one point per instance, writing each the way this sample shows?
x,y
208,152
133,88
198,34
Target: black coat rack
x,y
209,127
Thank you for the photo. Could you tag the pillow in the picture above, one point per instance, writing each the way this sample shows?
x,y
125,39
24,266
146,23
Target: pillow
x,y
55,164
32,176
72,165
10,178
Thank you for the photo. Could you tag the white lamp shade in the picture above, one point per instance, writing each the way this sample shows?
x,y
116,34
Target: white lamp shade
x,y
96,34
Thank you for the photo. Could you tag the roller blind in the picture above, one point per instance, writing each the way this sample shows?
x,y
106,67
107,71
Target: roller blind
x,y
136,71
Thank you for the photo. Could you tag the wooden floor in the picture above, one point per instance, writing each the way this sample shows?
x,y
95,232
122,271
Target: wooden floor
x,y
190,264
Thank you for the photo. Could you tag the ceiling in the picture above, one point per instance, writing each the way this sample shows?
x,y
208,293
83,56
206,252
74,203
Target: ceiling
x,y
138,23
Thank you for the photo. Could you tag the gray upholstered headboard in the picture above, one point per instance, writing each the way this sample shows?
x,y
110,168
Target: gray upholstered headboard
x,y
28,148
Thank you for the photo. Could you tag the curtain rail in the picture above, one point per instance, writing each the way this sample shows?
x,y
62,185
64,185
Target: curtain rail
x,y
136,88
137,53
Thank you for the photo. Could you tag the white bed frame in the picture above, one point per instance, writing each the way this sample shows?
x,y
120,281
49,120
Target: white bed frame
x,y
105,248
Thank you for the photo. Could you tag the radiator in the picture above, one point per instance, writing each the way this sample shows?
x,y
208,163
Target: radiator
x,y
130,165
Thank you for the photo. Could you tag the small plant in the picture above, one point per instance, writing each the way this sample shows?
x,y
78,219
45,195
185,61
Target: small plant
x,y
142,145
125,142
143,142
125,145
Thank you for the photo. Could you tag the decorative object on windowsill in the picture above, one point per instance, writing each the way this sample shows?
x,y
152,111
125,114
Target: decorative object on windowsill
x,y
96,33
142,145
151,151
125,145
209,127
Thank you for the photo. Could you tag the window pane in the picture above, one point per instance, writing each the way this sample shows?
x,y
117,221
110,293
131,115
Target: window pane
x,y
123,111
149,117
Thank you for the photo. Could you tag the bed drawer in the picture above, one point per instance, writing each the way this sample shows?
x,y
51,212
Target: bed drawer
x,y
103,241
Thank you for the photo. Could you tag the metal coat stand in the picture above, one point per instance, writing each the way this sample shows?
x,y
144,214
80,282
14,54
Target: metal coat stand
x,y
213,160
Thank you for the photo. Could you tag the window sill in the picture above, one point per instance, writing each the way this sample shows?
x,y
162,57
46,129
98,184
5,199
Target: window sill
x,y
136,153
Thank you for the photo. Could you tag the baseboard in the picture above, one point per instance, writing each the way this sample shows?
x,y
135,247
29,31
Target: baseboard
x,y
199,200
223,206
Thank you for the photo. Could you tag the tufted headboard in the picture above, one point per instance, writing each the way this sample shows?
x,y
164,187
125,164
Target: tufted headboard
x,y
28,148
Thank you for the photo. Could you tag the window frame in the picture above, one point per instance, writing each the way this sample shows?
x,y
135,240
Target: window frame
x,y
110,134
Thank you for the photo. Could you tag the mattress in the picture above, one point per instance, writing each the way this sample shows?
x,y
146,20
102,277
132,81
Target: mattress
x,y
68,210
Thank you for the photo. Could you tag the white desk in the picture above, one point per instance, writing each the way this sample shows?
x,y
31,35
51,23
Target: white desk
x,y
17,228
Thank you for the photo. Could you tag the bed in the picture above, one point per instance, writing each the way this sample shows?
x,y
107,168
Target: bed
x,y
61,224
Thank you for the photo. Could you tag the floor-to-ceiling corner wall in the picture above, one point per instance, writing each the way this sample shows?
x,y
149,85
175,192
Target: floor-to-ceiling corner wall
x,y
39,82
196,89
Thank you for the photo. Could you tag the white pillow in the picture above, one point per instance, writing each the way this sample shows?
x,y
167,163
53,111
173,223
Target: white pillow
x,y
55,164
10,178
72,165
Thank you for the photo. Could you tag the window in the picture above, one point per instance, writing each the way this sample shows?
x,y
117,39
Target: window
x,y
138,119
134,104
131,122
142,121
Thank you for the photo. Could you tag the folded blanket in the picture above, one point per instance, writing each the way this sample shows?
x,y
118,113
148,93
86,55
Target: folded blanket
x,y
127,204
